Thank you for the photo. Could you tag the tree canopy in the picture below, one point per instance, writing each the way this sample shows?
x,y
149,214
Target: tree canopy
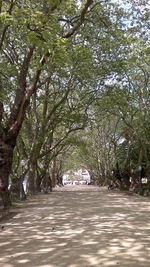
x,y
73,77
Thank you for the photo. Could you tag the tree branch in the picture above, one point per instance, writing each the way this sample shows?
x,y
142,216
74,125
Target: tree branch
x,y
21,86
81,20
60,141
21,109
7,26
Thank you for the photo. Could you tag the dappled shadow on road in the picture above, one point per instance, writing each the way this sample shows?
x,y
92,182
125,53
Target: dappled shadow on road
x,y
95,228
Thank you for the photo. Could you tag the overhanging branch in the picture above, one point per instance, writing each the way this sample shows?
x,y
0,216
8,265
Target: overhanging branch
x,y
60,141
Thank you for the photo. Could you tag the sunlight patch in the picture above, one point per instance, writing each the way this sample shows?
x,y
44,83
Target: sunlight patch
x,y
46,249
91,259
23,261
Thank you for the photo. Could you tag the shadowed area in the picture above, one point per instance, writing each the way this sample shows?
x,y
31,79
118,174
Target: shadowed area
x,y
78,226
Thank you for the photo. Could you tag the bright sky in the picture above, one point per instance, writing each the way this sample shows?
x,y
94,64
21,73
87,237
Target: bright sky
x,y
127,4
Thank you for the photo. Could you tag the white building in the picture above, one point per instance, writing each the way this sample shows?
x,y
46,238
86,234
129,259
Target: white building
x,y
76,177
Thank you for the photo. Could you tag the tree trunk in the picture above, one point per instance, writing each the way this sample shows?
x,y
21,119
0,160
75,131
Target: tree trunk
x,y
32,178
60,179
117,176
38,183
6,157
16,189
126,178
53,174
47,183
147,172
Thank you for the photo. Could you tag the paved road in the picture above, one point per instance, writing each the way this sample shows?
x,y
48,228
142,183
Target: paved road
x,y
78,227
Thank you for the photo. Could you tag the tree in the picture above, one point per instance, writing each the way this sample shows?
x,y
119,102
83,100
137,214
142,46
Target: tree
x,y
40,28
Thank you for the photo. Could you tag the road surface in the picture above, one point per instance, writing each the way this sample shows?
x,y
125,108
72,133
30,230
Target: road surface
x,y
78,226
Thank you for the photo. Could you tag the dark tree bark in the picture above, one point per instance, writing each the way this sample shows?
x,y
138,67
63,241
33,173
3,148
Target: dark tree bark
x,y
6,157
38,183
117,176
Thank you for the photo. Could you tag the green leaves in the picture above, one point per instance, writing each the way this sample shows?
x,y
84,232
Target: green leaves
x,y
5,17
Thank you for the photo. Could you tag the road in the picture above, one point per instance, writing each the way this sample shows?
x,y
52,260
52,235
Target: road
x,y
78,226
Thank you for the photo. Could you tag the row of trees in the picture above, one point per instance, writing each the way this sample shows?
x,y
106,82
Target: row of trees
x,y
117,145
66,67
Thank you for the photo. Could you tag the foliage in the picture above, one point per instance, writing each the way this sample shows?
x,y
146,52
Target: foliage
x,y
68,67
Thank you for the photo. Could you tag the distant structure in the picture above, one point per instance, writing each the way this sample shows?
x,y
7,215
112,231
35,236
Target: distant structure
x,y
76,177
